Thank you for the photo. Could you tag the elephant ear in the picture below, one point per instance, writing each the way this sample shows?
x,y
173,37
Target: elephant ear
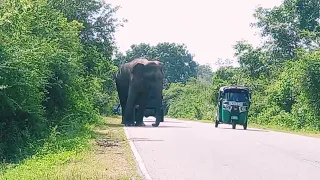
x,y
137,70
161,66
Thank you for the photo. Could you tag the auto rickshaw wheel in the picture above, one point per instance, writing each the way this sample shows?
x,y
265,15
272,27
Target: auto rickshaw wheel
x,y
234,124
245,125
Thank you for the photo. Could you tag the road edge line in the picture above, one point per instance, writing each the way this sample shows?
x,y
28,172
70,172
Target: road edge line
x,y
137,156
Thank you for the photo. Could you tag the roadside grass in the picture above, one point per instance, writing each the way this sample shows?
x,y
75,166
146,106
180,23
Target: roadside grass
x,y
302,132
96,152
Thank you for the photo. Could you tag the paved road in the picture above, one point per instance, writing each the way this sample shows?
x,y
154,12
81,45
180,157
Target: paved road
x,y
187,150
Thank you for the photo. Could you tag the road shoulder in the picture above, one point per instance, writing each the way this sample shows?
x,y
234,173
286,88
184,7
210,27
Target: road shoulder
x,y
113,152
141,166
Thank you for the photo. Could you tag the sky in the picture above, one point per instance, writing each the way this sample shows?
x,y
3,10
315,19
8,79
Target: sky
x,y
209,28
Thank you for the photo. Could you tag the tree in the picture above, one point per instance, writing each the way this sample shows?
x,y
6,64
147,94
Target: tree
x,y
251,60
205,73
283,73
308,15
292,25
56,71
41,75
97,38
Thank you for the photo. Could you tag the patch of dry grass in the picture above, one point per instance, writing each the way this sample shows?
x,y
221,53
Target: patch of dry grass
x,y
110,158
112,152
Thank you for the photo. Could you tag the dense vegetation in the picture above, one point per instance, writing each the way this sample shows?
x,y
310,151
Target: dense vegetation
x,y
56,71
283,73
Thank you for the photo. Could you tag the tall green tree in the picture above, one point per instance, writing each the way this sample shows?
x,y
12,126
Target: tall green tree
x,y
41,75
253,61
97,38
291,26
205,73
283,73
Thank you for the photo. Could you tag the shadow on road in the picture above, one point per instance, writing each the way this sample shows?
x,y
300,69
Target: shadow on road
x,y
164,121
160,126
147,126
144,139
257,130
173,122
260,130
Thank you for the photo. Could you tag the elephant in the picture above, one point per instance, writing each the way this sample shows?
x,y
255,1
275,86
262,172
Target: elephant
x,y
137,81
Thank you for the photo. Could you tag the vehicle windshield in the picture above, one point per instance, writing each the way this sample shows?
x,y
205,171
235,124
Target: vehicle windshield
x,y
236,96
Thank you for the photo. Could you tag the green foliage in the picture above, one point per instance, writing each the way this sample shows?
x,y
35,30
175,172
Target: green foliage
x,y
292,96
287,64
292,25
283,74
190,100
57,151
97,38
252,61
54,72
205,73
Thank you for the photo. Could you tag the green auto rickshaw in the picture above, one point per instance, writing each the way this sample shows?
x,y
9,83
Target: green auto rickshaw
x,y
233,106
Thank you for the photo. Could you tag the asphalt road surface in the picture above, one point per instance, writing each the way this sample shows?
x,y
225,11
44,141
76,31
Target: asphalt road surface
x,y
188,150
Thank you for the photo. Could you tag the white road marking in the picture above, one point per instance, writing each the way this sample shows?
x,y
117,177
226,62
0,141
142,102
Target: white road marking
x,y
137,156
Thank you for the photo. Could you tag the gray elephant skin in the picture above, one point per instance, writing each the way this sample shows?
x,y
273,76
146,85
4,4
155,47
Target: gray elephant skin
x,y
136,81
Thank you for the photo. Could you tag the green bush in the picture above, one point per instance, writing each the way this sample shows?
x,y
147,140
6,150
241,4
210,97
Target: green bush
x,y
192,100
288,99
291,100
43,79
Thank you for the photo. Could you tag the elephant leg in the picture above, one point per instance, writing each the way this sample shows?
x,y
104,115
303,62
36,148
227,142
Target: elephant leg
x,y
140,111
130,107
123,107
123,96
159,111
159,117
